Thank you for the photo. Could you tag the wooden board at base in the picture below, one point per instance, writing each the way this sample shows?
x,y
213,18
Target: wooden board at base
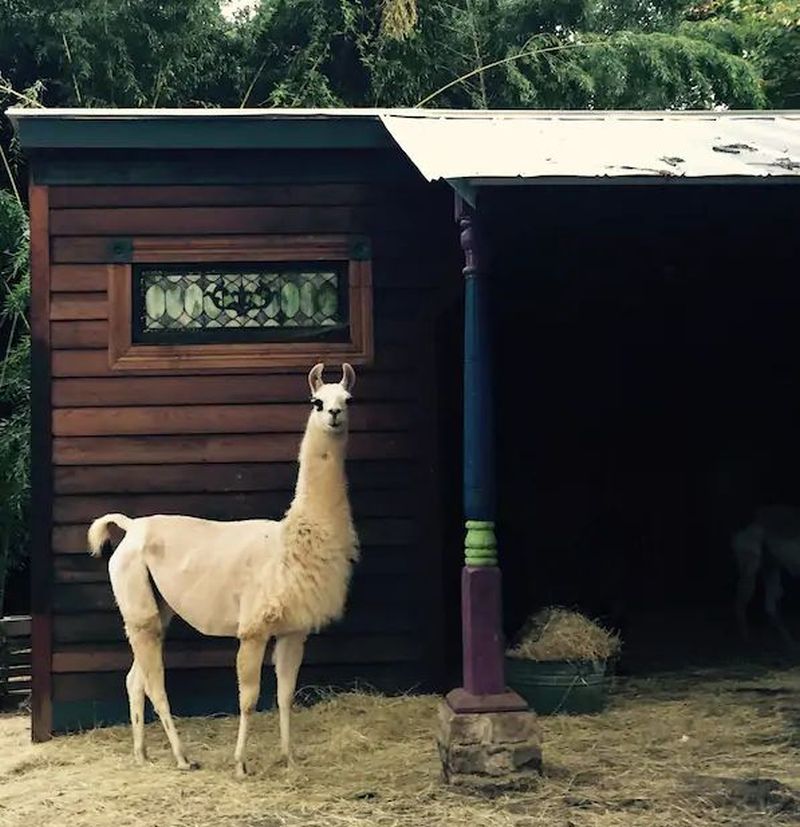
x,y
86,701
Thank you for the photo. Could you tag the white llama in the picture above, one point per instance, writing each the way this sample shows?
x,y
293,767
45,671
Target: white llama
x,y
770,544
250,579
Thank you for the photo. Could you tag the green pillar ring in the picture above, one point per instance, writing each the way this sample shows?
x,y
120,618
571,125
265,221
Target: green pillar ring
x,y
480,545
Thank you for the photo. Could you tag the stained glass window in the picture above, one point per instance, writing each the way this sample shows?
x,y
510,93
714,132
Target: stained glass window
x,y
241,302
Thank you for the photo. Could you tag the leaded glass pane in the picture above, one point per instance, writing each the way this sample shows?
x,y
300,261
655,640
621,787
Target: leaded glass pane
x,y
241,302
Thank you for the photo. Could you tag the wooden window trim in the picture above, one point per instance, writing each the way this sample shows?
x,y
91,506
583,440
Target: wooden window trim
x,y
125,355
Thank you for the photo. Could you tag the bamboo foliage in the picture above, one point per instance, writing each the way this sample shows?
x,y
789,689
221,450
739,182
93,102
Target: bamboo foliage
x,y
398,18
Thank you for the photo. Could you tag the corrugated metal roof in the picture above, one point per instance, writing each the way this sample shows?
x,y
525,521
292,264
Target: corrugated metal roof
x,y
484,147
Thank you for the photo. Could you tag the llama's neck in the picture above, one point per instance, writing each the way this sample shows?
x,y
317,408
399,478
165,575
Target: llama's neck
x,y
321,490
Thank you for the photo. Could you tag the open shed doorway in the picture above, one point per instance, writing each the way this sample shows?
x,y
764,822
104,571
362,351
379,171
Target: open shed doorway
x,y
648,400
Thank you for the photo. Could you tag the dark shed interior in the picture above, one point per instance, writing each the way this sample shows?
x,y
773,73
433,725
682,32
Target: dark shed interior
x,y
647,397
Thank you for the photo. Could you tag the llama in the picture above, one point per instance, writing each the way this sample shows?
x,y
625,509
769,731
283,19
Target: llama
x,y
770,542
250,579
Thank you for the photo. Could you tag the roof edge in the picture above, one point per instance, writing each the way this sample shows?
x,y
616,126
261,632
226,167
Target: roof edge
x,y
64,129
241,129
94,114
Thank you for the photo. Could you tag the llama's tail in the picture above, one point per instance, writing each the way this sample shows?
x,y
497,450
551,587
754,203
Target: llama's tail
x,y
99,537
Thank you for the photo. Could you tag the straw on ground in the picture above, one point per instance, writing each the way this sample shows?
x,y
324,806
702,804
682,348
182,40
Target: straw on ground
x,y
684,751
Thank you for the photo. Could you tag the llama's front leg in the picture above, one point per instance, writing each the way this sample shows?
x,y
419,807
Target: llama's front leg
x,y
134,683
288,657
249,660
745,588
147,645
748,564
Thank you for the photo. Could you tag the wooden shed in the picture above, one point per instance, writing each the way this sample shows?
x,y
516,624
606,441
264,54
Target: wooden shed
x,y
141,409
168,378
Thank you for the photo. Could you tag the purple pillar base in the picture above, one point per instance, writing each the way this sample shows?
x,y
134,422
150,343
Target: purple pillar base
x,y
484,687
482,636
461,701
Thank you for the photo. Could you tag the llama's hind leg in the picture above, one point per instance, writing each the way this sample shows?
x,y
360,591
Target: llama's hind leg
x,y
748,560
134,683
288,657
249,661
773,592
145,621
147,645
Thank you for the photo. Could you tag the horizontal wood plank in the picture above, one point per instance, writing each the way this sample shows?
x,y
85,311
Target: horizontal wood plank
x,y
106,627
80,568
94,248
79,335
374,560
384,531
79,278
383,648
208,196
93,334
128,221
71,306
220,479
214,419
211,390
414,269
136,450
79,363
375,590
237,506
90,687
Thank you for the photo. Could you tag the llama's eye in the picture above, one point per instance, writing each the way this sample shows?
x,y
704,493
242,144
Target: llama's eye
x,y
317,403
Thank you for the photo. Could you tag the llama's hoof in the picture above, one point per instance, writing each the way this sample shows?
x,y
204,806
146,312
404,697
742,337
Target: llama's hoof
x,y
140,759
241,770
186,766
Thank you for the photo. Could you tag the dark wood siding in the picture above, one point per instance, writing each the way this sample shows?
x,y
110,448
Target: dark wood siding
x,y
223,445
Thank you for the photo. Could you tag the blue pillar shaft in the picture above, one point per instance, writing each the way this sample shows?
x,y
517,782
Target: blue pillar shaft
x,y
479,471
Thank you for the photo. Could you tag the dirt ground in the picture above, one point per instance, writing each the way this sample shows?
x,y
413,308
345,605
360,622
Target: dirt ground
x,y
698,748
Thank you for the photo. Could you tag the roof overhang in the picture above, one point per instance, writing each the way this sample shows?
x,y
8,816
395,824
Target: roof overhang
x,y
469,149
472,150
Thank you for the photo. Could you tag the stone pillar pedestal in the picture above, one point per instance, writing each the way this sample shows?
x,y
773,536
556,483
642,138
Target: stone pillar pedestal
x,y
490,751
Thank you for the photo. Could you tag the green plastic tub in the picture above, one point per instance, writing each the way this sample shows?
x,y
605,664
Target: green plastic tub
x,y
553,687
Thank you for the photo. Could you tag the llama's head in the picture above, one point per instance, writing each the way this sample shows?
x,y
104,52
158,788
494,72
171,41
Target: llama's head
x,y
329,401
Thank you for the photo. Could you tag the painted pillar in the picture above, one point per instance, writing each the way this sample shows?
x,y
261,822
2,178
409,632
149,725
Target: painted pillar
x,y
481,613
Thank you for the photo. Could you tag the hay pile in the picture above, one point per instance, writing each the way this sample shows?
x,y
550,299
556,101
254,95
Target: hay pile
x,y
559,634
693,751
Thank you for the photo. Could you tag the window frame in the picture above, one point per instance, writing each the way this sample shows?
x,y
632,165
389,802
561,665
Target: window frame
x,y
126,355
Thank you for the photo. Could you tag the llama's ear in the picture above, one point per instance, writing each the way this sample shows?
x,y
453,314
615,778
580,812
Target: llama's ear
x,y
315,377
348,377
